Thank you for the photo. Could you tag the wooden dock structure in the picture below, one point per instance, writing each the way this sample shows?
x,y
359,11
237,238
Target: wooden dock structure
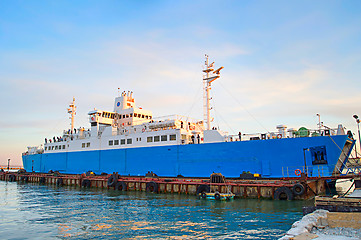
x,y
279,189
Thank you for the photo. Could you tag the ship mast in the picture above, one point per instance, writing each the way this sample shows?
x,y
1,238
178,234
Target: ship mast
x,y
208,78
72,112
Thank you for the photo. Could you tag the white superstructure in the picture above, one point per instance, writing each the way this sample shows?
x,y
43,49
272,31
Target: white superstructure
x,y
127,127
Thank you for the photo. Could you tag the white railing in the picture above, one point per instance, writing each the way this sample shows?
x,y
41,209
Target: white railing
x,y
312,171
275,135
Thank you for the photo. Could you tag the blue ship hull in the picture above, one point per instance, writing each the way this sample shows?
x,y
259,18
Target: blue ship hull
x,y
271,158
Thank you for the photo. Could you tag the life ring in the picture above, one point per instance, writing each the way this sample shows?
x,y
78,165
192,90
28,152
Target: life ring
x,y
283,193
298,189
279,136
298,172
143,130
93,119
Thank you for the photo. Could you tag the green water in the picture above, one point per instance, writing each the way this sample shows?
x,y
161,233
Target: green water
x,y
33,211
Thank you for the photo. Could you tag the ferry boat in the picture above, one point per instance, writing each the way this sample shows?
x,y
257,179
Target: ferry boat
x,y
130,141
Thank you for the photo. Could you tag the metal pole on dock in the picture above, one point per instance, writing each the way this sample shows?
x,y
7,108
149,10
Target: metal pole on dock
x,y
8,164
358,128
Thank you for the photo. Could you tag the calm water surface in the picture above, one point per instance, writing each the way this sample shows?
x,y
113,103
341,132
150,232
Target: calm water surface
x,y
32,211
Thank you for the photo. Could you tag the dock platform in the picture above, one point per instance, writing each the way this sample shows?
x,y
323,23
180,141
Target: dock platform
x,y
278,189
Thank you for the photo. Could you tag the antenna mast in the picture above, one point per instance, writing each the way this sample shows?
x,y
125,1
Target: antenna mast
x,y
208,78
72,112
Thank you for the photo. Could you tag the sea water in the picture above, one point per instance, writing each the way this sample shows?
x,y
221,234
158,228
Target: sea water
x,y
33,211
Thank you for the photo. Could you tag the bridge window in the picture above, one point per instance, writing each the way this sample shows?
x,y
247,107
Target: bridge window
x,y
172,137
87,145
164,138
110,142
46,148
131,115
129,141
149,139
122,141
116,142
83,145
135,115
63,146
156,138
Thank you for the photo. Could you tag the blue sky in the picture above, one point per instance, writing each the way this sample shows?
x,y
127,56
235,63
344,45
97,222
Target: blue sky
x,y
284,62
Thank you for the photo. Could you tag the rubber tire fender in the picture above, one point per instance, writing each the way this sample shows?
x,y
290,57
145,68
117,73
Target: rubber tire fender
x,y
121,186
217,196
24,179
203,188
152,187
42,180
281,191
12,178
86,183
112,180
59,182
203,195
298,189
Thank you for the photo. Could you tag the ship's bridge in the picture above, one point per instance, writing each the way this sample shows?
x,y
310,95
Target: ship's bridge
x,y
125,113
